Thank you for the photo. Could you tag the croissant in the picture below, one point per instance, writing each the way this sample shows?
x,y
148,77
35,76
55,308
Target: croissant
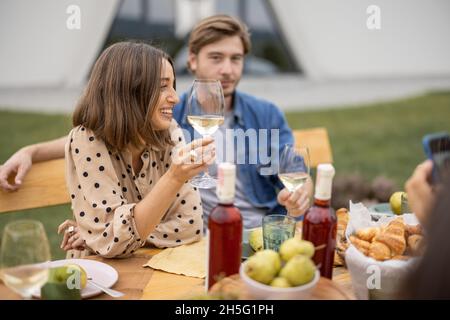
x,y
379,251
415,243
396,244
367,234
395,227
417,229
342,220
361,245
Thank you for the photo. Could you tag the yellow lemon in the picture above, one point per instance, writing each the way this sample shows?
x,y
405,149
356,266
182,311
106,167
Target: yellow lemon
x,y
83,274
396,202
62,274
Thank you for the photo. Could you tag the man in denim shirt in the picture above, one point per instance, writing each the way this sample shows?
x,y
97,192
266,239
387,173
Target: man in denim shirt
x,y
217,47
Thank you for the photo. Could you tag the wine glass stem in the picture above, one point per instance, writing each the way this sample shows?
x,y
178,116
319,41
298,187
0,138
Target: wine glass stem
x,y
206,173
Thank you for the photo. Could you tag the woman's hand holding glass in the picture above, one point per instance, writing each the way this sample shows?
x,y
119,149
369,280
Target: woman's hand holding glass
x,y
193,158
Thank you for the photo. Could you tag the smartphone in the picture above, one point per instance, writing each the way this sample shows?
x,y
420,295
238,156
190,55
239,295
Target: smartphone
x,y
437,148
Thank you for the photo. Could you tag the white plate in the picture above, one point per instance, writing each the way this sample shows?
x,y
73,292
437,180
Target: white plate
x,y
99,272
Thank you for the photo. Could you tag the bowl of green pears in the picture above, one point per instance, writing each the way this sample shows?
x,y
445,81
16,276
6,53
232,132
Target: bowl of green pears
x,y
287,274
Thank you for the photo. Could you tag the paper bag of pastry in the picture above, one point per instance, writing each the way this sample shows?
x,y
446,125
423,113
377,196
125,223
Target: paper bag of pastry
x,y
381,254
188,260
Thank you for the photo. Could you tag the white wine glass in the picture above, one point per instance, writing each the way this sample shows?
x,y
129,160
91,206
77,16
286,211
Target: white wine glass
x,y
206,105
294,167
24,256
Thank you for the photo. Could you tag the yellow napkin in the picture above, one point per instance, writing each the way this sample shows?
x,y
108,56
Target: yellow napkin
x,y
188,260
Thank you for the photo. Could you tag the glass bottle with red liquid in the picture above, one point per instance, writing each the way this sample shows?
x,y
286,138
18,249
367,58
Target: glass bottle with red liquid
x,y
320,223
224,229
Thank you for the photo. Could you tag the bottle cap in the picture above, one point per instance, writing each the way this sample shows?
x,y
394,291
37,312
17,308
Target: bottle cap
x,y
226,184
324,180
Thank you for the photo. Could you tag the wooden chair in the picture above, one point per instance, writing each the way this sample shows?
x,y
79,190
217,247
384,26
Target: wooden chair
x,y
43,186
316,139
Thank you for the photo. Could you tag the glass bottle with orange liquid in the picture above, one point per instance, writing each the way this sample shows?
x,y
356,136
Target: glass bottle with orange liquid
x,y
224,229
320,223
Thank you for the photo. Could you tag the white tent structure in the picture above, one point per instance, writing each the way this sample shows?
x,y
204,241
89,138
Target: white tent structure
x,y
44,62
331,40
39,50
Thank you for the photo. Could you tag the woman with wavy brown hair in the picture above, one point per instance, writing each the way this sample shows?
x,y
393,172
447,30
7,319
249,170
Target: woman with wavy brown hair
x,y
127,164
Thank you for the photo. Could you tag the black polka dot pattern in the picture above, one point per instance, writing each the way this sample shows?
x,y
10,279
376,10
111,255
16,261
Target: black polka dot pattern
x,y
103,198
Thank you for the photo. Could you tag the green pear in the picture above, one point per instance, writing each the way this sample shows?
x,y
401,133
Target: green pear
x,y
294,246
272,257
280,282
299,270
256,239
259,269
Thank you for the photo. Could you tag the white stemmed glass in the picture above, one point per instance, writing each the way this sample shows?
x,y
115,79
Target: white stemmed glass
x,y
294,167
24,251
206,106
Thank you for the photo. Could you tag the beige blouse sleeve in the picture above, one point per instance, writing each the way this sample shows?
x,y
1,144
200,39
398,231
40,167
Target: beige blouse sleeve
x,y
183,222
103,214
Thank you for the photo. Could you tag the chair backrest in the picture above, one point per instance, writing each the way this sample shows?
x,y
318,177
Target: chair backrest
x,y
316,139
43,186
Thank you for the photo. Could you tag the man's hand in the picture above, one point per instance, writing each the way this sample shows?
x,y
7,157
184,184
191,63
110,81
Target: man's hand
x,y
421,194
19,164
297,202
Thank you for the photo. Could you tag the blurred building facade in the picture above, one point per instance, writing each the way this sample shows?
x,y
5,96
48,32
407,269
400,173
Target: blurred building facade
x,y
323,45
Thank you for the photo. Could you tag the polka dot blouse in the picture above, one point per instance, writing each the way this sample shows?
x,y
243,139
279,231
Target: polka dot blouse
x,y
104,190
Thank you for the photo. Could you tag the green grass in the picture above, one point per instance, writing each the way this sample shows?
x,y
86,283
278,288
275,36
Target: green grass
x,y
380,139
373,140
18,130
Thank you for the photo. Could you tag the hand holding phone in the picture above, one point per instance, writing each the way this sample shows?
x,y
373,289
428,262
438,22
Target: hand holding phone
x,y
437,148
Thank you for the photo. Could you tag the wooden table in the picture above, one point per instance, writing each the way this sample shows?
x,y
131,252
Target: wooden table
x,y
138,282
